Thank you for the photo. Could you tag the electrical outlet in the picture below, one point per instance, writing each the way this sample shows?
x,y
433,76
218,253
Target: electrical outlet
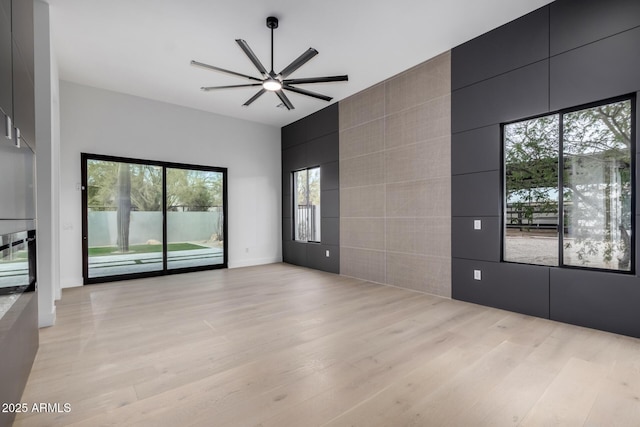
x,y
477,275
477,224
327,253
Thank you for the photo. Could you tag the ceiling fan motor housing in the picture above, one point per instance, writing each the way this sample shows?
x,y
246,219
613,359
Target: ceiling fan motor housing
x,y
272,22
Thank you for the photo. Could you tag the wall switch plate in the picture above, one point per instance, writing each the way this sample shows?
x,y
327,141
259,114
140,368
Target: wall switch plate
x,y
477,224
477,275
327,253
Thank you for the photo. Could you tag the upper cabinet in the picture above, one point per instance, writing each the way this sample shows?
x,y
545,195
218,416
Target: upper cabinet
x,y
6,69
23,99
5,7
22,30
17,72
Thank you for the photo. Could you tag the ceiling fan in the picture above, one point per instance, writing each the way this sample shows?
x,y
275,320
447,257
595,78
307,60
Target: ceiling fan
x,y
271,81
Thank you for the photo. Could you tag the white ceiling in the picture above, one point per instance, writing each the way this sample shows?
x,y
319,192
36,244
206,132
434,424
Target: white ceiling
x,y
143,47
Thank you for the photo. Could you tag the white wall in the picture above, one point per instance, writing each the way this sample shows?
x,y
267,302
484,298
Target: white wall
x,y
97,121
47,142
55,173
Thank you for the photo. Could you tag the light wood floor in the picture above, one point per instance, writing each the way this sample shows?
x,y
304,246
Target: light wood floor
x,y
281,346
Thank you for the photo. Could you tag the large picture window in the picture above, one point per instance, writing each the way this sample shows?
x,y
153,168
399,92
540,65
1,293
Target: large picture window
x,y
582,217
306,194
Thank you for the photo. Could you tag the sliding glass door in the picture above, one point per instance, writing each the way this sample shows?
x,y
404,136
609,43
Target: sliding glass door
x,y
195,218
124,218
144,218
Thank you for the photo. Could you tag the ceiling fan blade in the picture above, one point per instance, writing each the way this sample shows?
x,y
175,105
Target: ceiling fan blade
x,y
284,99
254,97
208,88
307,92
316,80
211,67
252,57
299,62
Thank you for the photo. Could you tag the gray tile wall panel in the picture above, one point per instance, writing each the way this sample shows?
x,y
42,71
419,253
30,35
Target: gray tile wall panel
x,y
575,23
607,68
606,301
511,96
477,150
513,45
483,244
515,287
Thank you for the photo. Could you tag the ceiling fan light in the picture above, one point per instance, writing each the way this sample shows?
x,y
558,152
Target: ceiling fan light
x,y
272,85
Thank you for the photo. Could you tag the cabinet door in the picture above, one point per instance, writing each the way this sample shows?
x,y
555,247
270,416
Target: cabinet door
x,y
17,192
23,99
6,91
5,8
22,30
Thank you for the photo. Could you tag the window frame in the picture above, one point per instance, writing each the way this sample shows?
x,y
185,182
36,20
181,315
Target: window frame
x,y
294,202
86,157
560,187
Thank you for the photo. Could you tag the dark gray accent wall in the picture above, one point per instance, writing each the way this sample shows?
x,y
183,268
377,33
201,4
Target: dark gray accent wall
x,y
575,23
313,141
504,49
568,53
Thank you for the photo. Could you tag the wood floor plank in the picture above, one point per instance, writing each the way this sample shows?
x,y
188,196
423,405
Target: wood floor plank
x,y
279,345
570,396
618,401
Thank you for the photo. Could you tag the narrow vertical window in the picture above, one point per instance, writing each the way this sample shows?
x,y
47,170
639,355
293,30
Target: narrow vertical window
x,y
307,205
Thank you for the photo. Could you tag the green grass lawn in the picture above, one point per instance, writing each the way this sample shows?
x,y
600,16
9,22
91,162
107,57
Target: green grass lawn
x,y
141,249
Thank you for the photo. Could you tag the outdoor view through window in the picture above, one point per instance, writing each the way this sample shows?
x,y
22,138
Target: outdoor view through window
x,y
592,198
307,205
125,218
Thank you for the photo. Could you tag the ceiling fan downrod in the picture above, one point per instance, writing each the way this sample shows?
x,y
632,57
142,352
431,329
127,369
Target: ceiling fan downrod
x,y
272,23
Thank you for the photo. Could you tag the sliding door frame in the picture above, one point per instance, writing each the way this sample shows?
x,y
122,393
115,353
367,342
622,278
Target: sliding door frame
x,y
85,157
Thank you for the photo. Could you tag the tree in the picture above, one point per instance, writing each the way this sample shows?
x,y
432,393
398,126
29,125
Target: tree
x,y
193,190
531,159
124,206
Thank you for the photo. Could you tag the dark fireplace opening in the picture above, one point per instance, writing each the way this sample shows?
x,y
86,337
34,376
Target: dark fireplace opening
x,y
18,262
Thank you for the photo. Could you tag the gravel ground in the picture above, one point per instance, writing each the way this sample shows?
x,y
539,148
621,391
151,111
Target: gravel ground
x,y
543,250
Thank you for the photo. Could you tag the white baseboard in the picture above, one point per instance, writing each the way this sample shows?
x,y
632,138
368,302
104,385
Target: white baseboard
x,y
47,319
70,282
252,262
